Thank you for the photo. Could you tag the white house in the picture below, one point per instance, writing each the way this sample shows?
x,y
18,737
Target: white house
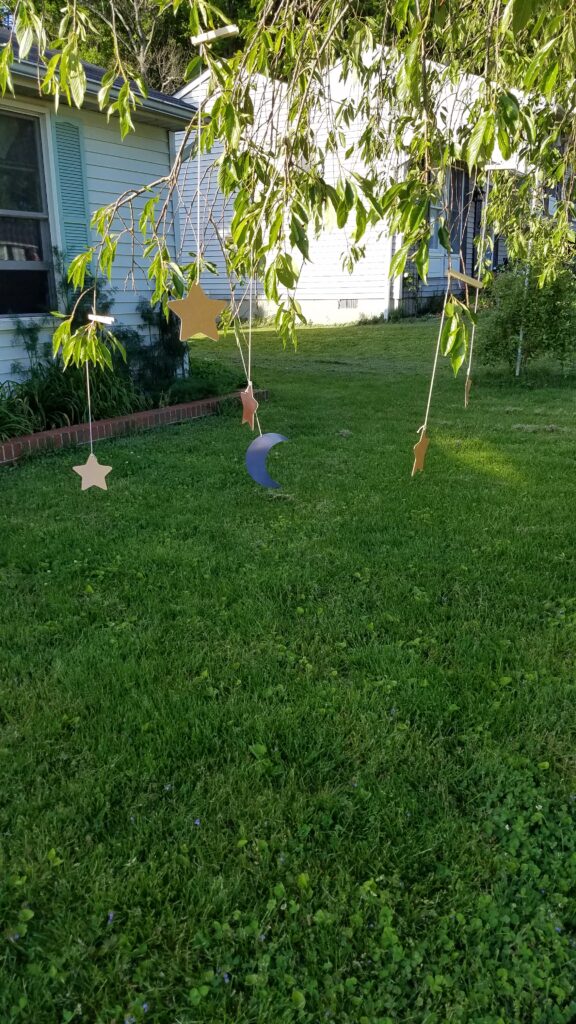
x,y
55,171
327,293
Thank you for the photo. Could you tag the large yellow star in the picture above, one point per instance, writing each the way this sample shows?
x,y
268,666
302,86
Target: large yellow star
x,y
93,474
197,313
420,449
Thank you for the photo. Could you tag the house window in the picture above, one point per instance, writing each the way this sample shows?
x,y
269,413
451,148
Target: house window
x,y
454,211
436,213
25,269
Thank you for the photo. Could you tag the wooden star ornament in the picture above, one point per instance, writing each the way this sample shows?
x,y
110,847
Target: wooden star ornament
x,y
249,406
197,313
92,473
420,449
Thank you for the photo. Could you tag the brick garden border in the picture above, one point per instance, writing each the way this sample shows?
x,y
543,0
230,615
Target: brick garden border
x,y
65,437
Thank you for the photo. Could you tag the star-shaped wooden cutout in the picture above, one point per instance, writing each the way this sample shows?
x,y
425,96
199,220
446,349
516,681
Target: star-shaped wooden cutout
x,y
197,313
249,406
420,449
467,387
92,473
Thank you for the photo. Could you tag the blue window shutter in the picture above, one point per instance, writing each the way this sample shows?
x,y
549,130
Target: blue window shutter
x,y
72,198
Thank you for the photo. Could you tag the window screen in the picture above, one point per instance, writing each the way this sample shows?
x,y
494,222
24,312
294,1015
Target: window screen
x,y
25,269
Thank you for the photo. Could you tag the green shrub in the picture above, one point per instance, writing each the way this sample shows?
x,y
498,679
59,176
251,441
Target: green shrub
x,y
207,377
53,397
58,397
15,414
545,316
155,360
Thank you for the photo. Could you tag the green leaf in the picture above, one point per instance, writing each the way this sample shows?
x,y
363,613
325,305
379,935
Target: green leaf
x,y
458,353
444,237
6,60
504,141
361,220
77,82
421,258
480,137
287,271
25,38
298,237
521,13
398,261
549,80
342,214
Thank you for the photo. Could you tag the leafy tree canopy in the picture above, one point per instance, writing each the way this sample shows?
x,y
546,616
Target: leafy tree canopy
x,y
370,105
153,44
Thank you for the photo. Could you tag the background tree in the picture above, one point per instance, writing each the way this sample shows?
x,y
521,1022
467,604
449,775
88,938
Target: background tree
x,y
429,83
154,44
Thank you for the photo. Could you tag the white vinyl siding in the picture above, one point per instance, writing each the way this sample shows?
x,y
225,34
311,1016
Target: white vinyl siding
x,y
326,291
110,167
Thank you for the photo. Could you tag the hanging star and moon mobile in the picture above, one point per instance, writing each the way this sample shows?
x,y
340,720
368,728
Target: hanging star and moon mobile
x,y
197,313
420,449
93,474
249,406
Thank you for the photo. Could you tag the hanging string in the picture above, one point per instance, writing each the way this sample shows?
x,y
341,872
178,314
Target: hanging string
x,y
422,429
89,408
247,361
250,315
479,267
250,284
198,173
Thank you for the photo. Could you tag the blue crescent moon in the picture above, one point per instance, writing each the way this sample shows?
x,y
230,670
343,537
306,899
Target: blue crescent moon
x,y
256,458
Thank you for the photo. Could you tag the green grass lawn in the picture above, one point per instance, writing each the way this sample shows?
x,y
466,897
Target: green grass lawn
x,y
297,756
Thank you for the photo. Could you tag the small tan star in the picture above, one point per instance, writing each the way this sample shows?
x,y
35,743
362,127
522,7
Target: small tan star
x,y
197,313
467,387
420,449
249,406
93,474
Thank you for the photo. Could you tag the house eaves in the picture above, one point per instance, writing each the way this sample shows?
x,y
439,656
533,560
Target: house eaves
x,y
157,108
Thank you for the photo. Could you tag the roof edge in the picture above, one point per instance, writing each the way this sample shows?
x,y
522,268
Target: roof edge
x,y
190,87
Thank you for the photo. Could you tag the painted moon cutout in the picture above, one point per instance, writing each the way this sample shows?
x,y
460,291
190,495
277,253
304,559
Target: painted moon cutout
x,y
256,458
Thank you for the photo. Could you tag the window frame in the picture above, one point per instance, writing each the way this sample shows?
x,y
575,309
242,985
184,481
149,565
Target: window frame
x,y
43,217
